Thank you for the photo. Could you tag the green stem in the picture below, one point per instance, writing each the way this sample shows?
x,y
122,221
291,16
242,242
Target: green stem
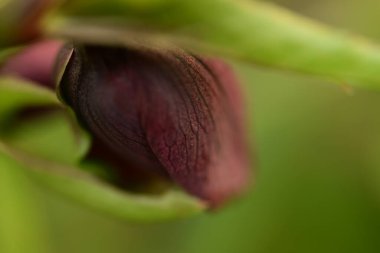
x,y
256,32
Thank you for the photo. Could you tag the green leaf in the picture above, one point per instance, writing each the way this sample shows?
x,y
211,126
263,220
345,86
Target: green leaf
x,y
17,93
253,31
53,136
89,191
21,223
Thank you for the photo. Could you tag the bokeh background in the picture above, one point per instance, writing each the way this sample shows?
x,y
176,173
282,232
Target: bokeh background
x,y
316,150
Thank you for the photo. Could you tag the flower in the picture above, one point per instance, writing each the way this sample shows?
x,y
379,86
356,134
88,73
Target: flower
x,y
151,112
167,111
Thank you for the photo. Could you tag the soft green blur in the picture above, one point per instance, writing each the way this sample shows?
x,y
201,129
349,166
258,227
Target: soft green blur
x,y
317,163
22,228
253,31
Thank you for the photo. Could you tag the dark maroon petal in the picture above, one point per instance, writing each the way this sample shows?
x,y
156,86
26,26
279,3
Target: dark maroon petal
x,y
167,111
35,62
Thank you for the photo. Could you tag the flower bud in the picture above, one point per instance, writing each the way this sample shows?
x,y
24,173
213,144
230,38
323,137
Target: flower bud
x,y
167,111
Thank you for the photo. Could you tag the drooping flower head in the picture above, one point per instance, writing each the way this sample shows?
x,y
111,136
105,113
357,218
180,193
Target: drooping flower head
x,y
164,112
167,111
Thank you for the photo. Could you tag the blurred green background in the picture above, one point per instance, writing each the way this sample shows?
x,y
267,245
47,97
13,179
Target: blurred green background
x,y
317,163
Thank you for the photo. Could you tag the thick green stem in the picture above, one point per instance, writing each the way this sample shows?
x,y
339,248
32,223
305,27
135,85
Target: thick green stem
x,y
256,32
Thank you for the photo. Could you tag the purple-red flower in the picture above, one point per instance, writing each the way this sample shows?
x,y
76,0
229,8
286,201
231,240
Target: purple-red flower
x,y
163,111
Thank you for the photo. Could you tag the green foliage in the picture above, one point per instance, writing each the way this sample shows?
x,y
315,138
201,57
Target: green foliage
x,y
53,136
16,94
21,224
256,32
89,191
